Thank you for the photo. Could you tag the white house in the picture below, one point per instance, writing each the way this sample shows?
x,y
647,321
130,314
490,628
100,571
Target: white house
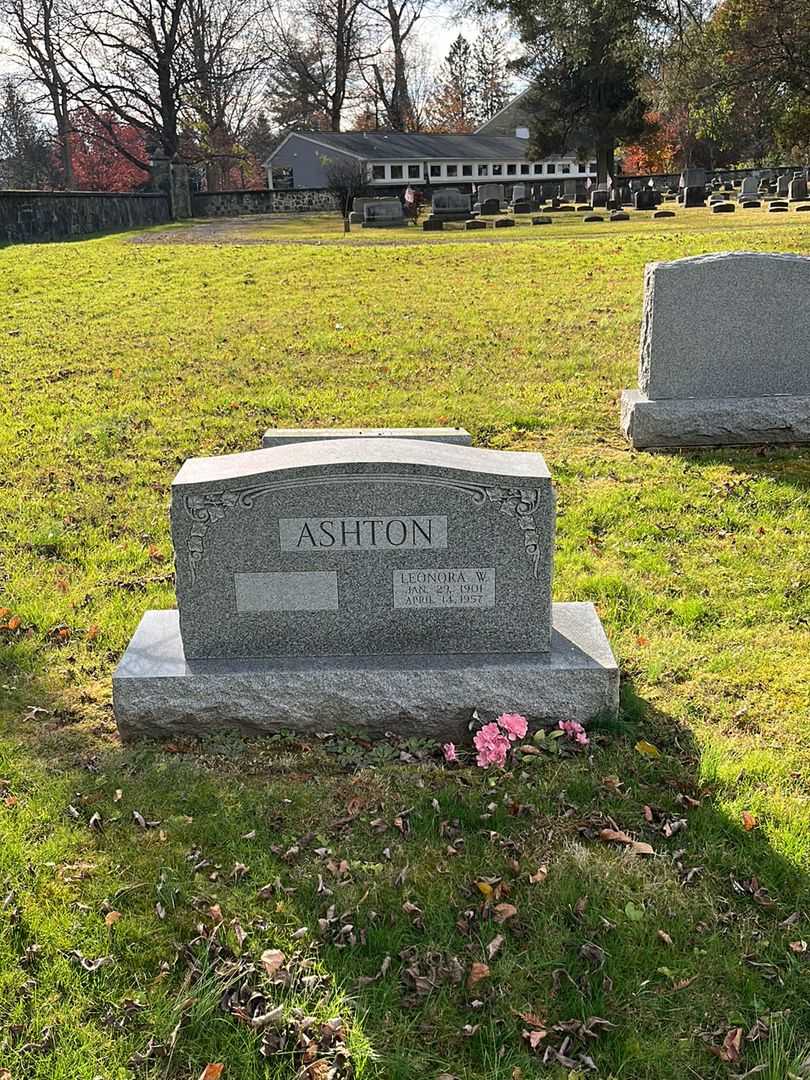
x,y
395,158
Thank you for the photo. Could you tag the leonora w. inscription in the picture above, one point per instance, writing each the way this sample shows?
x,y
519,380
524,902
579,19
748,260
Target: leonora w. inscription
x,y
362,534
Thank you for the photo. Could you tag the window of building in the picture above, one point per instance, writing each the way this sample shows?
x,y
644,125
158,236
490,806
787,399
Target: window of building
x,y
551,168
378,172
435,170
582,167
452,170
483,170
511,170
565,168
525,169
497,170
396,172
538,167
414,172
592,167
466,170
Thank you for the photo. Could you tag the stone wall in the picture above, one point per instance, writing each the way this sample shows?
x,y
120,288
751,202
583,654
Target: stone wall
x,y
233,203
65,215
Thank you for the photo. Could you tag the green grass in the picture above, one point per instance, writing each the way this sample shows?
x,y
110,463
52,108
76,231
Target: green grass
x,y
118,361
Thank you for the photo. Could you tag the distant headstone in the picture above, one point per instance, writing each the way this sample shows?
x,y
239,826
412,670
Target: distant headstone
x,y
520,193
599,198
490,207
542,219
593,217
383,214
724,208
619,215
475,223
504,222
748,187
645,198
523,207
693,178
782,185
777,208
664,213
750,204
693,196
797,189
490,191
433,224
450,203
723,356
386,584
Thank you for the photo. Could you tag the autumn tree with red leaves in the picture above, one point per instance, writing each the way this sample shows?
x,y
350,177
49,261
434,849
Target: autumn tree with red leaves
x,y
98,163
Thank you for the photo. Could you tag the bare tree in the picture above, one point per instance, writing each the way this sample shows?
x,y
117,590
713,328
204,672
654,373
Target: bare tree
x,y
130,60
346,180
397,20
227,54
323,53
35,29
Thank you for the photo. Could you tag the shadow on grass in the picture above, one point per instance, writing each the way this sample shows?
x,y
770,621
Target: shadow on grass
x,y
389,862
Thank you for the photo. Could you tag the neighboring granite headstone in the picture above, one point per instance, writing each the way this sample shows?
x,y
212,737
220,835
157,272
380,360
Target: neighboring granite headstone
x,y
490,207
490,191
449,204
748,187
387,584
782,185
723,357
797,189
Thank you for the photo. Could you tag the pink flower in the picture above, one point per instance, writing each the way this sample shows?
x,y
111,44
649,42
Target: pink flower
x,y
514,725
492,746
575,731
449,751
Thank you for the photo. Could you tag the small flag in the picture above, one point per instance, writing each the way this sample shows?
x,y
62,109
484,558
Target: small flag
x,y
650,182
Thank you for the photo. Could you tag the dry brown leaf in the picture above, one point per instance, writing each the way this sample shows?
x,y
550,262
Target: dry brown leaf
x,y
798,946
539,876
212,1072
732,1044
614,836
495,946
504,912
5,1074
748,820
111,918
664,936
478,971
272,960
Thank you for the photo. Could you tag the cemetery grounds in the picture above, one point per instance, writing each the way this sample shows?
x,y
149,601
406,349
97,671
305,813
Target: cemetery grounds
x,y
461,923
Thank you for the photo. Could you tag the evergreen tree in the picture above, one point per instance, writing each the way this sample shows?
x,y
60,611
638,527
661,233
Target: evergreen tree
x,y
453,107
490,71
587,62
26,151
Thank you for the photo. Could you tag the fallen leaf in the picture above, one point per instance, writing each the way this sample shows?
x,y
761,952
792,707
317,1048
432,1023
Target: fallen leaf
x,y
484,888
613,836
664,936
504,912
539,876
111,918
798,946
118,796
478,971
748,820
272,960
730,1050
647,749
212,1072
495,946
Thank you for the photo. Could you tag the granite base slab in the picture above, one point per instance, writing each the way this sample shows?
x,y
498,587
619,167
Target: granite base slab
x,y
672,422
158,694
288,436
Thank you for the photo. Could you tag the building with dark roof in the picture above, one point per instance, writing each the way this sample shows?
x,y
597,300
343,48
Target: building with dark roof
x,y
393,159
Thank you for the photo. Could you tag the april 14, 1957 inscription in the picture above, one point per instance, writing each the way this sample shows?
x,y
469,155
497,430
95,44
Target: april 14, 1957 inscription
x,y
362,534
468,587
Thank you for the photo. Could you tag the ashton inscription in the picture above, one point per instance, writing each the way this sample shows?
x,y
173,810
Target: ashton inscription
x,y
445,588
362,534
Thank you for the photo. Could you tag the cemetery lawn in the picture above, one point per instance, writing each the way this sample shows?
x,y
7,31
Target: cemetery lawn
x,y
137,884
